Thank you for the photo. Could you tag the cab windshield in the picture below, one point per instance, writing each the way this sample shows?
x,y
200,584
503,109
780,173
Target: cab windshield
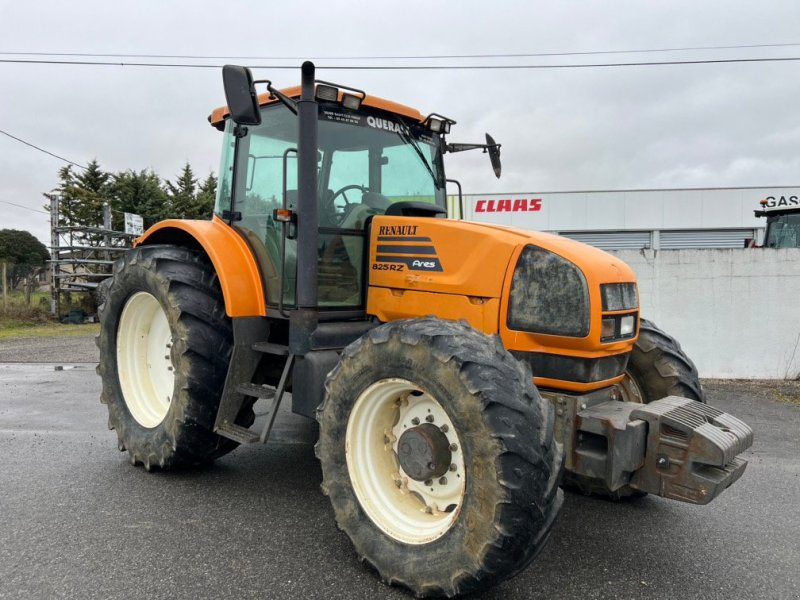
x,y
367,161
783,231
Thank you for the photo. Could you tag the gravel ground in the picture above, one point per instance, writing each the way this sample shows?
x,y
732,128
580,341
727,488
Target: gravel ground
x,y
74,349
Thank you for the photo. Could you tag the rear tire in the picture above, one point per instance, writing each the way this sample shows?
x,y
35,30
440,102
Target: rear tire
x,y
491,512
657,368
165,343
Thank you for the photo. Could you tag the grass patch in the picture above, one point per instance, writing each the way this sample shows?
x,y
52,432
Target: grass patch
x,y
10,329
787,395
17,314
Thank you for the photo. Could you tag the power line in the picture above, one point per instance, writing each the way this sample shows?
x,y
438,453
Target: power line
x,y
13,137
411,67
25,207
407,57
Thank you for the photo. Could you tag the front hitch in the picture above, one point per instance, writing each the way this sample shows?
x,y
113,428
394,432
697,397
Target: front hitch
x,y
674,447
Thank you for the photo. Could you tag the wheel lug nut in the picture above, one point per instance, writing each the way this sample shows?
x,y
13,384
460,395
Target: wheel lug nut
x,y
429,510
453,447
429,418
443,481
415,421
453,467
386,439
428,482
444,429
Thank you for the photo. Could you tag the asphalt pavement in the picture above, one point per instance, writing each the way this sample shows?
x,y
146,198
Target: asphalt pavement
x,y
78,521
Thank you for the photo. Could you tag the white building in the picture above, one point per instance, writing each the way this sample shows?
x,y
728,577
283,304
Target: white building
x,y
711,300
634,219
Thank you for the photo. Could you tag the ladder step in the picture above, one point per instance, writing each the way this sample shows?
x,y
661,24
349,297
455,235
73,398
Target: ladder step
x,y
238,433
255,390
270,348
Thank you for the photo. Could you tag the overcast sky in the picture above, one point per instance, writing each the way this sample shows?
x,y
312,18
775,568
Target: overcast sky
x,y
561,129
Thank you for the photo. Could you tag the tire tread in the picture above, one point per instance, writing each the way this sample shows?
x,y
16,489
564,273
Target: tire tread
x,y
528,464
202,348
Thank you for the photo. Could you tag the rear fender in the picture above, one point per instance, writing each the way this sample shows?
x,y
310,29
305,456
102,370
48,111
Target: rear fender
x,y
236,267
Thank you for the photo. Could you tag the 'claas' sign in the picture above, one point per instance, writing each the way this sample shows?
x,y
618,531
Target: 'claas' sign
x,y
508,205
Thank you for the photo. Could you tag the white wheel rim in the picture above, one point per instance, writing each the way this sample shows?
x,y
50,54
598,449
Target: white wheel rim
x,y
407,510
631,392
144,363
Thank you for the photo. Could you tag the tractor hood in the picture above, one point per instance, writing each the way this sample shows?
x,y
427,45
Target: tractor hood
x,y
470,259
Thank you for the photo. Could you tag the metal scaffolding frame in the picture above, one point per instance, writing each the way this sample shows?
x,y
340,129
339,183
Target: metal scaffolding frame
x,y
82,257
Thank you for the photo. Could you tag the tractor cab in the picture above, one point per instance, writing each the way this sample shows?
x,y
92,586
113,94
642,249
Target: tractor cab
x,y
783,227
364,157
373,158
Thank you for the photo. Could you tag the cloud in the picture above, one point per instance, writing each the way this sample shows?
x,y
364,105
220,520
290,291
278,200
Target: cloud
x,y
669,126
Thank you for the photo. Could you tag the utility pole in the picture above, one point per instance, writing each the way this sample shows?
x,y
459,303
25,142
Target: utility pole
x,y
5,290
107,227
55,292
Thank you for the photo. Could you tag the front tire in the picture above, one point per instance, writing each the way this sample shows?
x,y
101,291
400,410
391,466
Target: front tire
x,y
480,506
165,342
658,367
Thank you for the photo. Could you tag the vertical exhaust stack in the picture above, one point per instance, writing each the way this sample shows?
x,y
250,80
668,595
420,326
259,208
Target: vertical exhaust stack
x,y
304,319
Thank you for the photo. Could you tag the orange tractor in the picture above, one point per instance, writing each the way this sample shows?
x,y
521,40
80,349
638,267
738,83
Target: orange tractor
x,y
460,372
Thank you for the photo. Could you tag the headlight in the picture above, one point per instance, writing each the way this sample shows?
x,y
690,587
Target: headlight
x,y
627,325
617,327
549,295
619,296
609,326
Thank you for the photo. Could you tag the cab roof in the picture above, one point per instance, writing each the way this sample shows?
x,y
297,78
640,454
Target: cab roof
x,y
218,115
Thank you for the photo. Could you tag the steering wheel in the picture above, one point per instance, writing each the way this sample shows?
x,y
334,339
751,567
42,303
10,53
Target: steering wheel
x,y
340,214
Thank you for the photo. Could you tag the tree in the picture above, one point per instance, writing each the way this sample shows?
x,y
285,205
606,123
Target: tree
x,y
139,193
206,196
23,253
81,198
182,194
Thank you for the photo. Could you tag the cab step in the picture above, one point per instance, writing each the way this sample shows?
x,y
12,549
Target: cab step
x,y
239,434
242,435
270,348
255,390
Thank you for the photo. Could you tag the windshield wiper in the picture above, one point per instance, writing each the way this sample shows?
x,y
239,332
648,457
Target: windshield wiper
x,y
405,134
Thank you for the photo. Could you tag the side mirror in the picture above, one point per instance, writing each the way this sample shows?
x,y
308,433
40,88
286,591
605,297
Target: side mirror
x,y
494,154
240,94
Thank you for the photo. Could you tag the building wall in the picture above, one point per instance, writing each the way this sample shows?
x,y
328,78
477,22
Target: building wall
x,y
624,210
735,312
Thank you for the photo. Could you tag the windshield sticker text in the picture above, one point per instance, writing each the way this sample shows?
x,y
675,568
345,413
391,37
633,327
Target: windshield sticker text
x,y
379,123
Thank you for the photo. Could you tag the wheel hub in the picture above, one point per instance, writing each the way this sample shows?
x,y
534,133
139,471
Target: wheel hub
x,y
424,452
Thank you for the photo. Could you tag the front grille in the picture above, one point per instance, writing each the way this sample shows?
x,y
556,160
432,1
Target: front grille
x,y
549,295
572,368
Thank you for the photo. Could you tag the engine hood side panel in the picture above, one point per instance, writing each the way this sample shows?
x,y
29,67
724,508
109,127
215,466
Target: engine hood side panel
x,y
439,255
